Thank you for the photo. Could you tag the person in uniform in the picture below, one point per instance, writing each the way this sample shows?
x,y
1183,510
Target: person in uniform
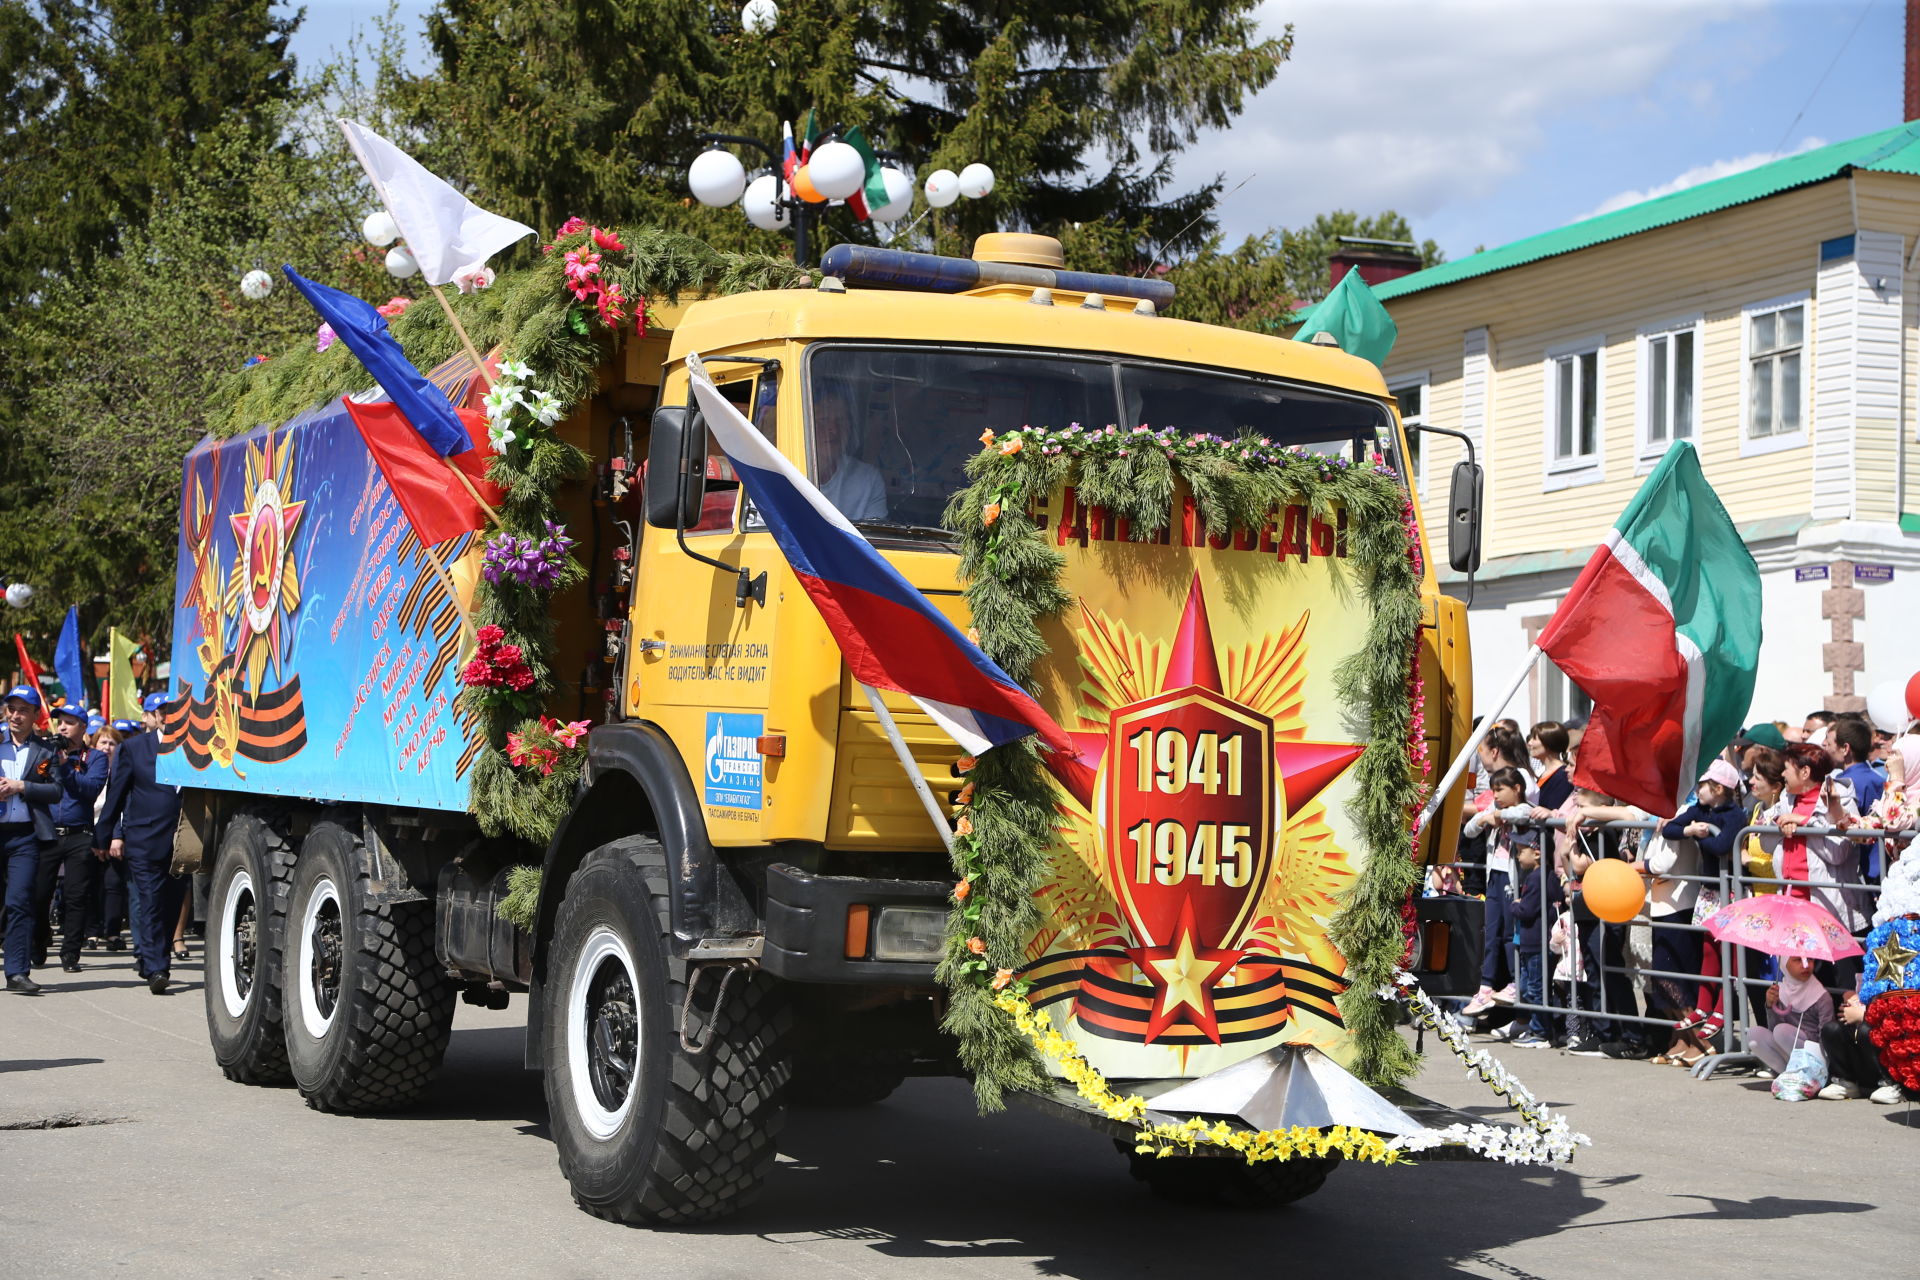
x,y
141,814
83,772
29,788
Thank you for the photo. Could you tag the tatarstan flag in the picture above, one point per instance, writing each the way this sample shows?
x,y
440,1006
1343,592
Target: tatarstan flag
x,y
1662,631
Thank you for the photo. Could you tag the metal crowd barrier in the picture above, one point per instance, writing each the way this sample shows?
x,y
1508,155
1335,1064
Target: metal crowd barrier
x,y
1732,884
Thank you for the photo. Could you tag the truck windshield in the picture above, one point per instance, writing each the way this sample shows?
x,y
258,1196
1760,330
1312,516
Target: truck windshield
x,y
891,428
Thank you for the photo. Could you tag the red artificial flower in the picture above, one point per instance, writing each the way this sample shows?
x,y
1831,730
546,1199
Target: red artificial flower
x,y
519,679
394,306
608,240
508,654
490,637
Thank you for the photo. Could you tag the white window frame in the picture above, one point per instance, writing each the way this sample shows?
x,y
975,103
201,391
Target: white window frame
x,y
1424,381
1749,445
1648,451
1568,473
1559,695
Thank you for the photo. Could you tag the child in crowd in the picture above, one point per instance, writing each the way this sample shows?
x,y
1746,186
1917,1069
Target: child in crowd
x,y
1504,802
1605,940
1797,1008
1536,893
1825,866
1712,822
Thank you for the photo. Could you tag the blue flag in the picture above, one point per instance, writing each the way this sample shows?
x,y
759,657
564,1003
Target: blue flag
x,y
67,662
364,330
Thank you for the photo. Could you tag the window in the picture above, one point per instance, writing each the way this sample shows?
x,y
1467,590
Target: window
x,y
1669,374
1560,698
1576,381
1413,413
1776,339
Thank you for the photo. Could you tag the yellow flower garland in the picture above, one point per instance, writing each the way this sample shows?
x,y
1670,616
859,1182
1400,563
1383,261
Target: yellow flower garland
x,y
1168,1139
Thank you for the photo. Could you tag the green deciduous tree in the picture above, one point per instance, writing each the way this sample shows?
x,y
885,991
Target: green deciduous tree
x,y
1309,249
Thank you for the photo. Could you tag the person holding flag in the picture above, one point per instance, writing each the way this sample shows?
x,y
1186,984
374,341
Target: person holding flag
x,y
82,774
28,792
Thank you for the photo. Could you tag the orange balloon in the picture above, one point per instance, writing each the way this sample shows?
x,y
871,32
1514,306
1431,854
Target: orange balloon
x,y
1614,890
804,188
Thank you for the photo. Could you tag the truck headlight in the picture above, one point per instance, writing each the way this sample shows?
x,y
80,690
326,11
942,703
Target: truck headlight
x,y
909,933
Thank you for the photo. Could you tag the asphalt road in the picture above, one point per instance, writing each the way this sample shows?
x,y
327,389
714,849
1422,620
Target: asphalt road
x,y
170,1170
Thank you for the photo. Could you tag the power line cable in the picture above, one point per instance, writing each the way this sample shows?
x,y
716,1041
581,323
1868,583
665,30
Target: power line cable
x,y
1779,146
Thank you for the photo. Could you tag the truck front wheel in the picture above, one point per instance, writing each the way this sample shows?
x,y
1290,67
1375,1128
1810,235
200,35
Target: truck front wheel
x,y
646,1129
369,1009
1232,1183
244,922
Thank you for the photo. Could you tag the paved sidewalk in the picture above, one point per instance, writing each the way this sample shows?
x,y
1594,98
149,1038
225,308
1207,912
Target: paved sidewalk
x,y
173,1171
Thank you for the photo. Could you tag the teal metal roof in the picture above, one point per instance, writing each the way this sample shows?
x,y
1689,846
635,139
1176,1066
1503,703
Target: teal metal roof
x,y
1895,150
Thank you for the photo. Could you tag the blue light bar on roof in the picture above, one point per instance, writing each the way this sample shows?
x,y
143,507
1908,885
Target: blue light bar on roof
x,y
860,264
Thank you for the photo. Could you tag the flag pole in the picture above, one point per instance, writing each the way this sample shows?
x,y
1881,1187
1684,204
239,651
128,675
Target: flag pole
x,y
1459,765
480,366
905,756
446,580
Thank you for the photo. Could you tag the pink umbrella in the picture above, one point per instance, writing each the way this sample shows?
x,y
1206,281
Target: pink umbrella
x,y
1782,925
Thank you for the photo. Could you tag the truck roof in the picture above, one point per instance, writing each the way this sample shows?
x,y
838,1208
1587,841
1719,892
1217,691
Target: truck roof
x,y
999,316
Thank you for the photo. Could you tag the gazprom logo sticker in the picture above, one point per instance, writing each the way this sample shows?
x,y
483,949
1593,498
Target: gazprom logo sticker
x,y
734,762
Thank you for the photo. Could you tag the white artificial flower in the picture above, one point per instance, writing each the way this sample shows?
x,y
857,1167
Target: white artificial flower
x,y
500,401
499,436
514,371
546,407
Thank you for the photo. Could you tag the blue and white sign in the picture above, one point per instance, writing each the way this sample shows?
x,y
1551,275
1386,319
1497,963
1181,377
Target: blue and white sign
x,y
734,777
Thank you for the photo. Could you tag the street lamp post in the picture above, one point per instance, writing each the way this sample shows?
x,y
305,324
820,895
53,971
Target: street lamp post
x,y
728,182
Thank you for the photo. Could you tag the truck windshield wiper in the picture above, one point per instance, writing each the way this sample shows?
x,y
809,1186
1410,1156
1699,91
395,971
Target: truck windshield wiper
x,y
890,526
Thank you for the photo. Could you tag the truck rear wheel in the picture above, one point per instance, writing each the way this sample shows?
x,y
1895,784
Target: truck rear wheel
x,y
647,1130
369,1009
1230,1182
245,917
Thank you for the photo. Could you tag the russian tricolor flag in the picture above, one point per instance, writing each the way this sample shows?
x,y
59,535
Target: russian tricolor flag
x,y
892,638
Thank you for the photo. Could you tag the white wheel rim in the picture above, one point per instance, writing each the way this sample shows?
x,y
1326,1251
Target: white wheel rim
x,y
236,989
316,1021
602,947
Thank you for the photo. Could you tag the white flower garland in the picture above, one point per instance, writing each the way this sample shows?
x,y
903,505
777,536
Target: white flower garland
x,y
1546,1137
507,394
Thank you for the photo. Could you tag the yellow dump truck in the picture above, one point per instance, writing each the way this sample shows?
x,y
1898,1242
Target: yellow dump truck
x,y
744,900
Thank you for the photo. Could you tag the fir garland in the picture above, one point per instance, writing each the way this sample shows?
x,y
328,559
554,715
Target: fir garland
x,y
555,323
1013,582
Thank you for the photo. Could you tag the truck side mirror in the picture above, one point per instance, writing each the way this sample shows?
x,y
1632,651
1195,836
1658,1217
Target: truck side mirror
x,y
676,479
1463,517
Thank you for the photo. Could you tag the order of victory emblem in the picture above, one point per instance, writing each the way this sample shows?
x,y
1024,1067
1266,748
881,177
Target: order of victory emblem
x,y
1188,895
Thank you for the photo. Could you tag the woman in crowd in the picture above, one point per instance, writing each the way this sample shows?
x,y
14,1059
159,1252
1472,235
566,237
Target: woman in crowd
x,y
1798,1008
1547,746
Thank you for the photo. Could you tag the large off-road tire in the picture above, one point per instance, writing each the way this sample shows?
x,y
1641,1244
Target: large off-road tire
x,y
368,1007
246,911
1231,1182
648,1131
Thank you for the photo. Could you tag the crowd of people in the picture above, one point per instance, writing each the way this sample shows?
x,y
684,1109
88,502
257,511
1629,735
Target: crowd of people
x,y
1554,974
85,827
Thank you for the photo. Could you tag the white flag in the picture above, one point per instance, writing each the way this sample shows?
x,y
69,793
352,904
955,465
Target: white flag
x,y
446,231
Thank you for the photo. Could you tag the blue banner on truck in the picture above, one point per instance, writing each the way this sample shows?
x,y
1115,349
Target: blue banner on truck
x,y
316,651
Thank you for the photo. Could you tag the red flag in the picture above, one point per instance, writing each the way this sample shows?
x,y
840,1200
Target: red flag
x,y
438,505
30,676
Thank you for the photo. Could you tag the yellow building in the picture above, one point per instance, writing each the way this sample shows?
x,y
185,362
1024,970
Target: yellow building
x,y
1769,317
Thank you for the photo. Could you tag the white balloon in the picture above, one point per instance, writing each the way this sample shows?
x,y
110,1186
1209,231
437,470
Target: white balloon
x,y
943,188
976,180
18,594
837,170
716,178
1887,706
899,196
400,262
256,284
759,16
379,228
760,204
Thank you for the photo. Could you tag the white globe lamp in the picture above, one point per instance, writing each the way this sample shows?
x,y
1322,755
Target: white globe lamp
x,y
976,180
256,284
401,263
379,228
838,170
761,203
18,593
716,178
899,196
943,188
759,16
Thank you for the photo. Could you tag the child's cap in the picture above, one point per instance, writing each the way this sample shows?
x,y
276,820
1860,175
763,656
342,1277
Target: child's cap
x,y
1724,774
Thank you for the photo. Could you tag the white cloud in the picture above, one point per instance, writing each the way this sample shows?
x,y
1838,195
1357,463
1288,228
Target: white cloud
x,y
1417,105
1701,173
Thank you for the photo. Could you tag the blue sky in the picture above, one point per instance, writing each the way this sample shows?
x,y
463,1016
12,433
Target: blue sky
x,y
1487,120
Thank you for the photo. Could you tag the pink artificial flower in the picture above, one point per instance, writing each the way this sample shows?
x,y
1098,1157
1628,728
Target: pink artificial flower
x,y
608,240
609,303
582,266
570,734
569,227
324,337
394,306
473,278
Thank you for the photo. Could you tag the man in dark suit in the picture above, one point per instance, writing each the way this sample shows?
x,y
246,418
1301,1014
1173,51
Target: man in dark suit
x,y
141,814
29,787
82,773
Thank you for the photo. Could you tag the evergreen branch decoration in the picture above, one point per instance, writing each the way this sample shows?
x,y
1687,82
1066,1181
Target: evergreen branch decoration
x,y
1013,583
